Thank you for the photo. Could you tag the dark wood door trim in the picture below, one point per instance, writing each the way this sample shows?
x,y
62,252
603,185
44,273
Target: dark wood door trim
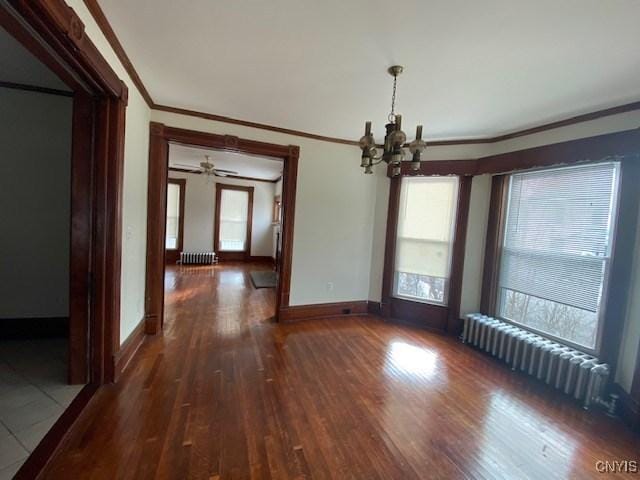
x,y
246,253
54,33
457,256
497,210
160,136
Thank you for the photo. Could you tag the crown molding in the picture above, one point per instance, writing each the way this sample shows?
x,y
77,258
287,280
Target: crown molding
x,y
104,25
107,30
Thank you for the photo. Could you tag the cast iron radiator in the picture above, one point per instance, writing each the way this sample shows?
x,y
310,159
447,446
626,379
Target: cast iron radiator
x,y
575,373
197,258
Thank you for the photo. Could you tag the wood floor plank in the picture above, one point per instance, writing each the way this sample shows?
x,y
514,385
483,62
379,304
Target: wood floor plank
x,y
226,393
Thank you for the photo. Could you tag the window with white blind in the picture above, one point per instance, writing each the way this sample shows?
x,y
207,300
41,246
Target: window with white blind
x,y
173,216
234,218
424,239
556,250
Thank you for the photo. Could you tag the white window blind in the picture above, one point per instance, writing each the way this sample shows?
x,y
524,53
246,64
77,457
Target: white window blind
x,y
556,249
173,216
234,212
426,222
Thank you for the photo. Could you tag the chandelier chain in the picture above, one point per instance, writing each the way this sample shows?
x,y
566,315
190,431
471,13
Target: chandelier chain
x,y
392,115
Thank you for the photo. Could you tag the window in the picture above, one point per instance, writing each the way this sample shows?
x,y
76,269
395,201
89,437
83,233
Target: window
x,y
277,208
175,212
424,242
556,250
234,220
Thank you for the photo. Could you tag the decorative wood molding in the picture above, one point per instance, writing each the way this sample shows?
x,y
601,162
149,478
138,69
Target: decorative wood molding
x,y
156,227
35,88
17,29
123,358
226,255
108,32
563,153
245,123
160,136
97,162
34,464
616,296
104,25
61,28
457,257
497,209
323,310
433,143
438,167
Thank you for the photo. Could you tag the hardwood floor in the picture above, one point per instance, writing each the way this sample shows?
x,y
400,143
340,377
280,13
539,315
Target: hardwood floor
x,y
225,393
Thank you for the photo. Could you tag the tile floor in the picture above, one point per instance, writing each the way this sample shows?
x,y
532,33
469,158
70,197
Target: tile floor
x,y
33,394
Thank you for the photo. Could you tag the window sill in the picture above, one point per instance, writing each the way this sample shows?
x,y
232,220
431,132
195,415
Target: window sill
x,y
421,301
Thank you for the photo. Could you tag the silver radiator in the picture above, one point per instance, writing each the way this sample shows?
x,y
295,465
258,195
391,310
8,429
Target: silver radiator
x,y
575,373
197,258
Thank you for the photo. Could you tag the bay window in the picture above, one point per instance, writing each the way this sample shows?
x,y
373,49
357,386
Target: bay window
x,y
424,238
556,248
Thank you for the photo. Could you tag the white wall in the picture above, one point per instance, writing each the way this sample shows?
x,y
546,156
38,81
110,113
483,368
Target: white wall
x,y
475,244
134,214
199,212
35,193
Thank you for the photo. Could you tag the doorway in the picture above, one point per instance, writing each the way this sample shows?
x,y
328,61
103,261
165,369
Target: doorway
x,y
81,225
233,236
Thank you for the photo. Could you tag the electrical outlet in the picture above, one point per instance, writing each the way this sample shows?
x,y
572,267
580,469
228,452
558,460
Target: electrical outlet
x,y
329,286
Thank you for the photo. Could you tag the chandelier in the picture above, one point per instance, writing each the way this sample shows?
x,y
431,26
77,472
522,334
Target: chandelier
x,y
393,152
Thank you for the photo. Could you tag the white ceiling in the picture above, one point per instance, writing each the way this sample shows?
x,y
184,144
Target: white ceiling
x,y
18,65
264,168
473,69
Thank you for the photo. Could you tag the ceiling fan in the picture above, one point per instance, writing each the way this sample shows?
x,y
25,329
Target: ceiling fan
x,y
207,167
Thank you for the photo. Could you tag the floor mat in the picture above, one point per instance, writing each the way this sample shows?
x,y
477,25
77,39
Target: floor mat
x,y
264,279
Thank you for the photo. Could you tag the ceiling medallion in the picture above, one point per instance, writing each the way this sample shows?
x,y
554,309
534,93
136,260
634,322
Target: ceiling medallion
x,y
394,141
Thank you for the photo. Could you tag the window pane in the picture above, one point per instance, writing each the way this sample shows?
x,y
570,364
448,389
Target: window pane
x,y
556,249
234,210
173,216
426,221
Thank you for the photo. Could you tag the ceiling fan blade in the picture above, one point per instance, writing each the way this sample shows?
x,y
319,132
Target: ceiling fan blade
x,y
190,167
225,171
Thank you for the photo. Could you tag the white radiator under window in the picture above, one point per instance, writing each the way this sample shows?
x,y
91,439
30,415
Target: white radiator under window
x,y
197,258
575,373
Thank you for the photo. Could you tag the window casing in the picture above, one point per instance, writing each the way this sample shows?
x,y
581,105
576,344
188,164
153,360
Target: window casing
x,y
555,253
424,238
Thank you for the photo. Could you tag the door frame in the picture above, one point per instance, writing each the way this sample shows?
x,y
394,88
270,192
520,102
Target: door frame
x,y
160,135
53,33
245,254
